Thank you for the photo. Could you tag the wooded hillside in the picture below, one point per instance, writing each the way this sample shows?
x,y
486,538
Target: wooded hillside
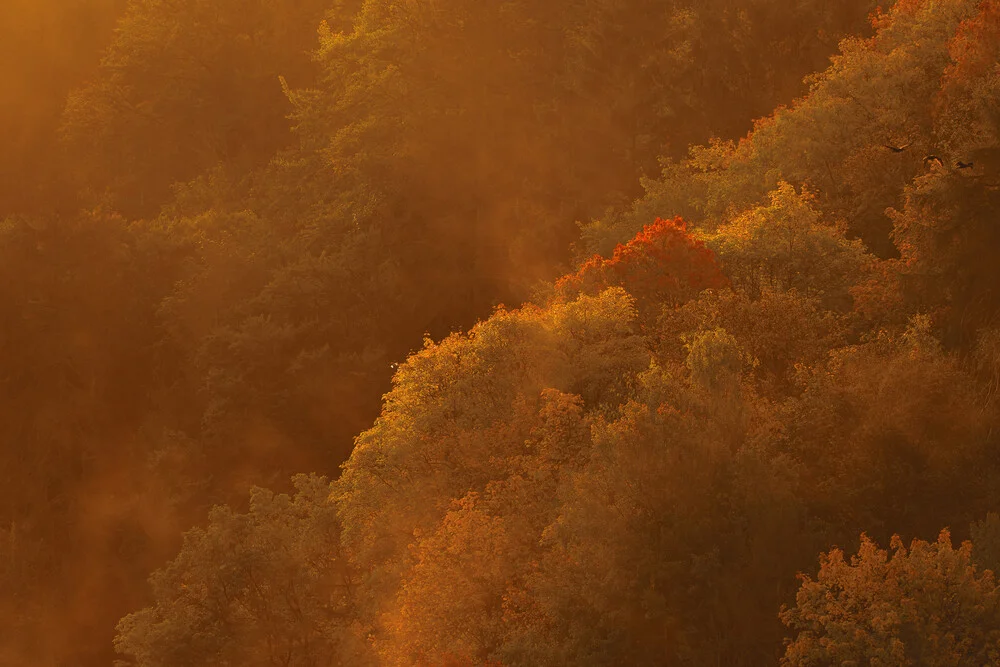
x,y
455,333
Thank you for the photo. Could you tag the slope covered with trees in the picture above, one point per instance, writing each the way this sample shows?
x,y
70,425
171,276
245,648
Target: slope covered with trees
x,y
716,362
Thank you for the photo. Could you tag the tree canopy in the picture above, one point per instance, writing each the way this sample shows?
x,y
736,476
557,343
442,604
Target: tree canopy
x,y
499,333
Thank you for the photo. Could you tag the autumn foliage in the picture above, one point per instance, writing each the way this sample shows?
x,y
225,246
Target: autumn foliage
x,y
924,606
976,46
662,265
270,237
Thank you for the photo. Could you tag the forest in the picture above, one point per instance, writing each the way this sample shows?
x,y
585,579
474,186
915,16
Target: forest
x,y
499,333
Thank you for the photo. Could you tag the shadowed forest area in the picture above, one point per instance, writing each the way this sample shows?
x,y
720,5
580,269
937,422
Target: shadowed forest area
x,y
499,333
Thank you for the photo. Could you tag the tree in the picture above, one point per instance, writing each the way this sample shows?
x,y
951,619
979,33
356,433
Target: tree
x,y
661,551
886,428
463,411
875,92
986,543
516,96
778,333
454,600
947,239
785,245
966,118
663,266
268,587
186,85
924,606
944,228
437,167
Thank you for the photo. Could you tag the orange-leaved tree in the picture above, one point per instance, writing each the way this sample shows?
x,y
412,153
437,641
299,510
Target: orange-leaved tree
x,y
925,606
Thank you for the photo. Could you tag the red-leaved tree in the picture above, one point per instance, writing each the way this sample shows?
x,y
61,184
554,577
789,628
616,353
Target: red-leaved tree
x,y
663,266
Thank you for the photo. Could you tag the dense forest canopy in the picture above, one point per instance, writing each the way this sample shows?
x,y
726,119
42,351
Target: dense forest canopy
x,y
468,333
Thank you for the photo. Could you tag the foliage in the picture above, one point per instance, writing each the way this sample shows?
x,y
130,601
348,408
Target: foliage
x,y
967,117
777,333
924,606
183,86
628,576
662,266
460,408
629,468
267,587
944,228
785,246
877,92
884,429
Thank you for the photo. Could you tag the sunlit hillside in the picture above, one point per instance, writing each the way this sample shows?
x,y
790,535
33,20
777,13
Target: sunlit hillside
x,y
481,333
